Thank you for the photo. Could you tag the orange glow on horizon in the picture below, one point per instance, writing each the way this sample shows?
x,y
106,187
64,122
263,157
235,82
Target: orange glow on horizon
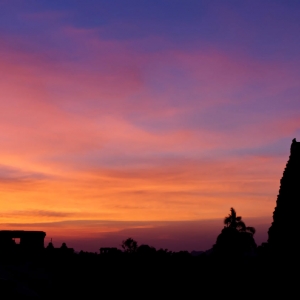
x,y
101,130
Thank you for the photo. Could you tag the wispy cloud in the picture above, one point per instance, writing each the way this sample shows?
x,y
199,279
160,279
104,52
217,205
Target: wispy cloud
x,y
37,213
111,118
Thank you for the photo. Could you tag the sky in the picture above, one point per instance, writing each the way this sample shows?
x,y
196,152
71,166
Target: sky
x,y
147,119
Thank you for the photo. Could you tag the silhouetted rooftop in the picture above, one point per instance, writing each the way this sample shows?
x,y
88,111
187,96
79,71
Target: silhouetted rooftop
x,y
20,233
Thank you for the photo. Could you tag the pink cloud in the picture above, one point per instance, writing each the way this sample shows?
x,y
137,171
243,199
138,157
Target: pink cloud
x,y
79,123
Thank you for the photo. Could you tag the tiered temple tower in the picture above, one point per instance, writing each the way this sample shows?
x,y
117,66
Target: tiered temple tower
x,y
284,232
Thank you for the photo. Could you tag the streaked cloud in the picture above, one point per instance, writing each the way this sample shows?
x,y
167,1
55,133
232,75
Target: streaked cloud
x,y
124,118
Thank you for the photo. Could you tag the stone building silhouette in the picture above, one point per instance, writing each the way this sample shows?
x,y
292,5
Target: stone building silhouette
x,y
30,241
284,232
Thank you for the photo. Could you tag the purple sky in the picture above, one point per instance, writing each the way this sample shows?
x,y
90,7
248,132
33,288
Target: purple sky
x,y
143,118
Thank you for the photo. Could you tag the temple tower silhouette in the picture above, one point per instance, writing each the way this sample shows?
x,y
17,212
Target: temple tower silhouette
x,y
284,231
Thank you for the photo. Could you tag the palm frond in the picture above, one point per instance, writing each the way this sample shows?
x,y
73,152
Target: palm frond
x,y
241,226
251,229
233,213
227,220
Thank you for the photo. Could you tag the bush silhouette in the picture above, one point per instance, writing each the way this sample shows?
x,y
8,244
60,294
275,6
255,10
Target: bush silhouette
x,y
146,250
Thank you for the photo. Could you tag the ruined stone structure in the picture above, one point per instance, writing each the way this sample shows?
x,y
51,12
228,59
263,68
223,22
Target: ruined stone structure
x,y
29,240
284,232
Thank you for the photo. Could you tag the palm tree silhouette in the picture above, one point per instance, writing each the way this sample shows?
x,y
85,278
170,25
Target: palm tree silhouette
x,y
234,221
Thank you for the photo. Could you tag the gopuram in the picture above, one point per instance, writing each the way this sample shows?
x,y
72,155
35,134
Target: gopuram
x,y
284,232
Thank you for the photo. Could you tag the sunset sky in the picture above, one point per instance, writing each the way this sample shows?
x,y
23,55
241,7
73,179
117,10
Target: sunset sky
x,y
145,118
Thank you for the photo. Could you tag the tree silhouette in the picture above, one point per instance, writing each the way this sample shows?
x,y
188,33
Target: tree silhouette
x,y
129,245
234,221
236,238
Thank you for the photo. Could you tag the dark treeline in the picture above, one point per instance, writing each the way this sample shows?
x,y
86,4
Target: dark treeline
x,y
146,271
234,262
234,267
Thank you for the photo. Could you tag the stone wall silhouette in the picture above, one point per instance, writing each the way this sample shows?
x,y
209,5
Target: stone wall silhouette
x,y
284,232
29,240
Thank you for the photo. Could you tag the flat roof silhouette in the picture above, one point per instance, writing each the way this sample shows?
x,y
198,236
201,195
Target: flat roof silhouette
x,y
33,240
19,233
